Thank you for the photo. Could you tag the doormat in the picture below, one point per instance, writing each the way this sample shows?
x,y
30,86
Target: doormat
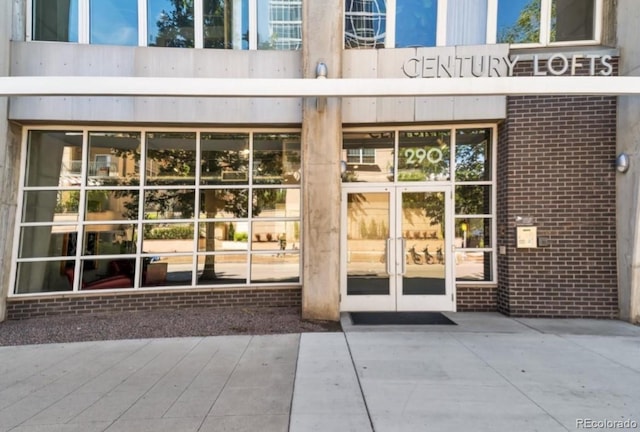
x,y
400,318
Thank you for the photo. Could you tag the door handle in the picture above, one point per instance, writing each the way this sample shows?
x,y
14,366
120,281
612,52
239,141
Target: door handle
x,y
402,255
387,253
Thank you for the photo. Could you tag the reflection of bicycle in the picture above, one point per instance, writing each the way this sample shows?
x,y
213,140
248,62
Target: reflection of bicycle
x,y
415,256
427,256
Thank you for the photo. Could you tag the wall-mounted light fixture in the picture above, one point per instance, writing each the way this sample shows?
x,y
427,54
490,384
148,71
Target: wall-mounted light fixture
x,y
321,73
622,162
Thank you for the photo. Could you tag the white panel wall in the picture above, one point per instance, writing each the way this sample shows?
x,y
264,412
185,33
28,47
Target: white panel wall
x,y
387,63
65,59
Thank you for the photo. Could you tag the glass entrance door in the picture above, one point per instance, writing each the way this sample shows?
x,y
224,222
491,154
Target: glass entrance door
x,y
395,249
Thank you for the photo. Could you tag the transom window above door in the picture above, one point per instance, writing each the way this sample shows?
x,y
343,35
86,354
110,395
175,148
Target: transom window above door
x,y
425,23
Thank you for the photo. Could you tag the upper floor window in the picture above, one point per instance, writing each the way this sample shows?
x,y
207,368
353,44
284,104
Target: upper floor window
x,y
224,24
424,23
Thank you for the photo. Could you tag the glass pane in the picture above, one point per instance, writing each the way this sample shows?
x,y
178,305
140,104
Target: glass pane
x,y
224,203
365,23
171,158
54,158
114,158
473,200
473,233
222,269
368,156
276,203
423,231
55,20
170,23
225,158
466,22
43,276
424,156
99,274
47,241
223,236
283,268
473,155
276,236
416,22
226,24
280,24
367,234
111,239
572,20
111,205
276,159
163,270
51,206
473,266
173,237
169,204
518,21
113,22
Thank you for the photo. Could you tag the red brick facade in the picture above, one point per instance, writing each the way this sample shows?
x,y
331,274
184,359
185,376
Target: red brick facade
x,y
556,165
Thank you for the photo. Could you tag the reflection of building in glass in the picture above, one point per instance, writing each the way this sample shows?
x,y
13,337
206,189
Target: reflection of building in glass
x,y
285,24
364,24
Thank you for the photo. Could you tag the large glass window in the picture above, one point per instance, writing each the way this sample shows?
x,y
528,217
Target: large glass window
x,y
221,24
55,20
226,24
170,23
113,22
118,209
424,23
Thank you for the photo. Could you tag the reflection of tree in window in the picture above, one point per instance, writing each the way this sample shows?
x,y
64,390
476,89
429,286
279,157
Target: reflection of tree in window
x,y
175,25
221,27
526,28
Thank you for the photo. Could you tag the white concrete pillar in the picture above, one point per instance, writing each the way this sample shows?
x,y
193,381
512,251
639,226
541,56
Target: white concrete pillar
x,y
628,184
321,145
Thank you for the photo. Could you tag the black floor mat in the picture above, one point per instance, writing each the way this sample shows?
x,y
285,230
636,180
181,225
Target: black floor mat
x,y
400,318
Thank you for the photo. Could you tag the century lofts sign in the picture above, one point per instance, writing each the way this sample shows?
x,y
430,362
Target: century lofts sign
x,y
458,66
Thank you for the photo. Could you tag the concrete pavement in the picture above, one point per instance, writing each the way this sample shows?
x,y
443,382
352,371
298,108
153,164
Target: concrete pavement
x,y
489,373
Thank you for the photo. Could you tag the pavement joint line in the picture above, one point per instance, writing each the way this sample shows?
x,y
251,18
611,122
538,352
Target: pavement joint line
x,y
587,348
195,376
87,349
293,387
160,378
529,326
355,370
226,382
509,381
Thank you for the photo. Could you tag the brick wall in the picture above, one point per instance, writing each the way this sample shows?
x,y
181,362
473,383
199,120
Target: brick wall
x,y
476,298
22,308
556,164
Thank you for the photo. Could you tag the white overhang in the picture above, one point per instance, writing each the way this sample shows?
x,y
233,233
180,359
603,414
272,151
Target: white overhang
x,y
299,87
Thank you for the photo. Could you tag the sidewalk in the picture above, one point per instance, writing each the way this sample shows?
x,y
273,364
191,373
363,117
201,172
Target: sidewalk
x,y
488,373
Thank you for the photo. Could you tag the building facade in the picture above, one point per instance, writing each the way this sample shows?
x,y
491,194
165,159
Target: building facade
x,y
501,202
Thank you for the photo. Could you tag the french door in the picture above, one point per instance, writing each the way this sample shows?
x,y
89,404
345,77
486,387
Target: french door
x,y
396,248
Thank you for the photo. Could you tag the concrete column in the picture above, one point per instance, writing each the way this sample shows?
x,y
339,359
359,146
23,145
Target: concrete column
x,y
628,184
322,34
9,160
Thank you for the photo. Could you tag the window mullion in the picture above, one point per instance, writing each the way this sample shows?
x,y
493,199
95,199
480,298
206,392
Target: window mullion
x,y
441,23
390,39
198,21
83,22
492,21
545,22
142,22
253,24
